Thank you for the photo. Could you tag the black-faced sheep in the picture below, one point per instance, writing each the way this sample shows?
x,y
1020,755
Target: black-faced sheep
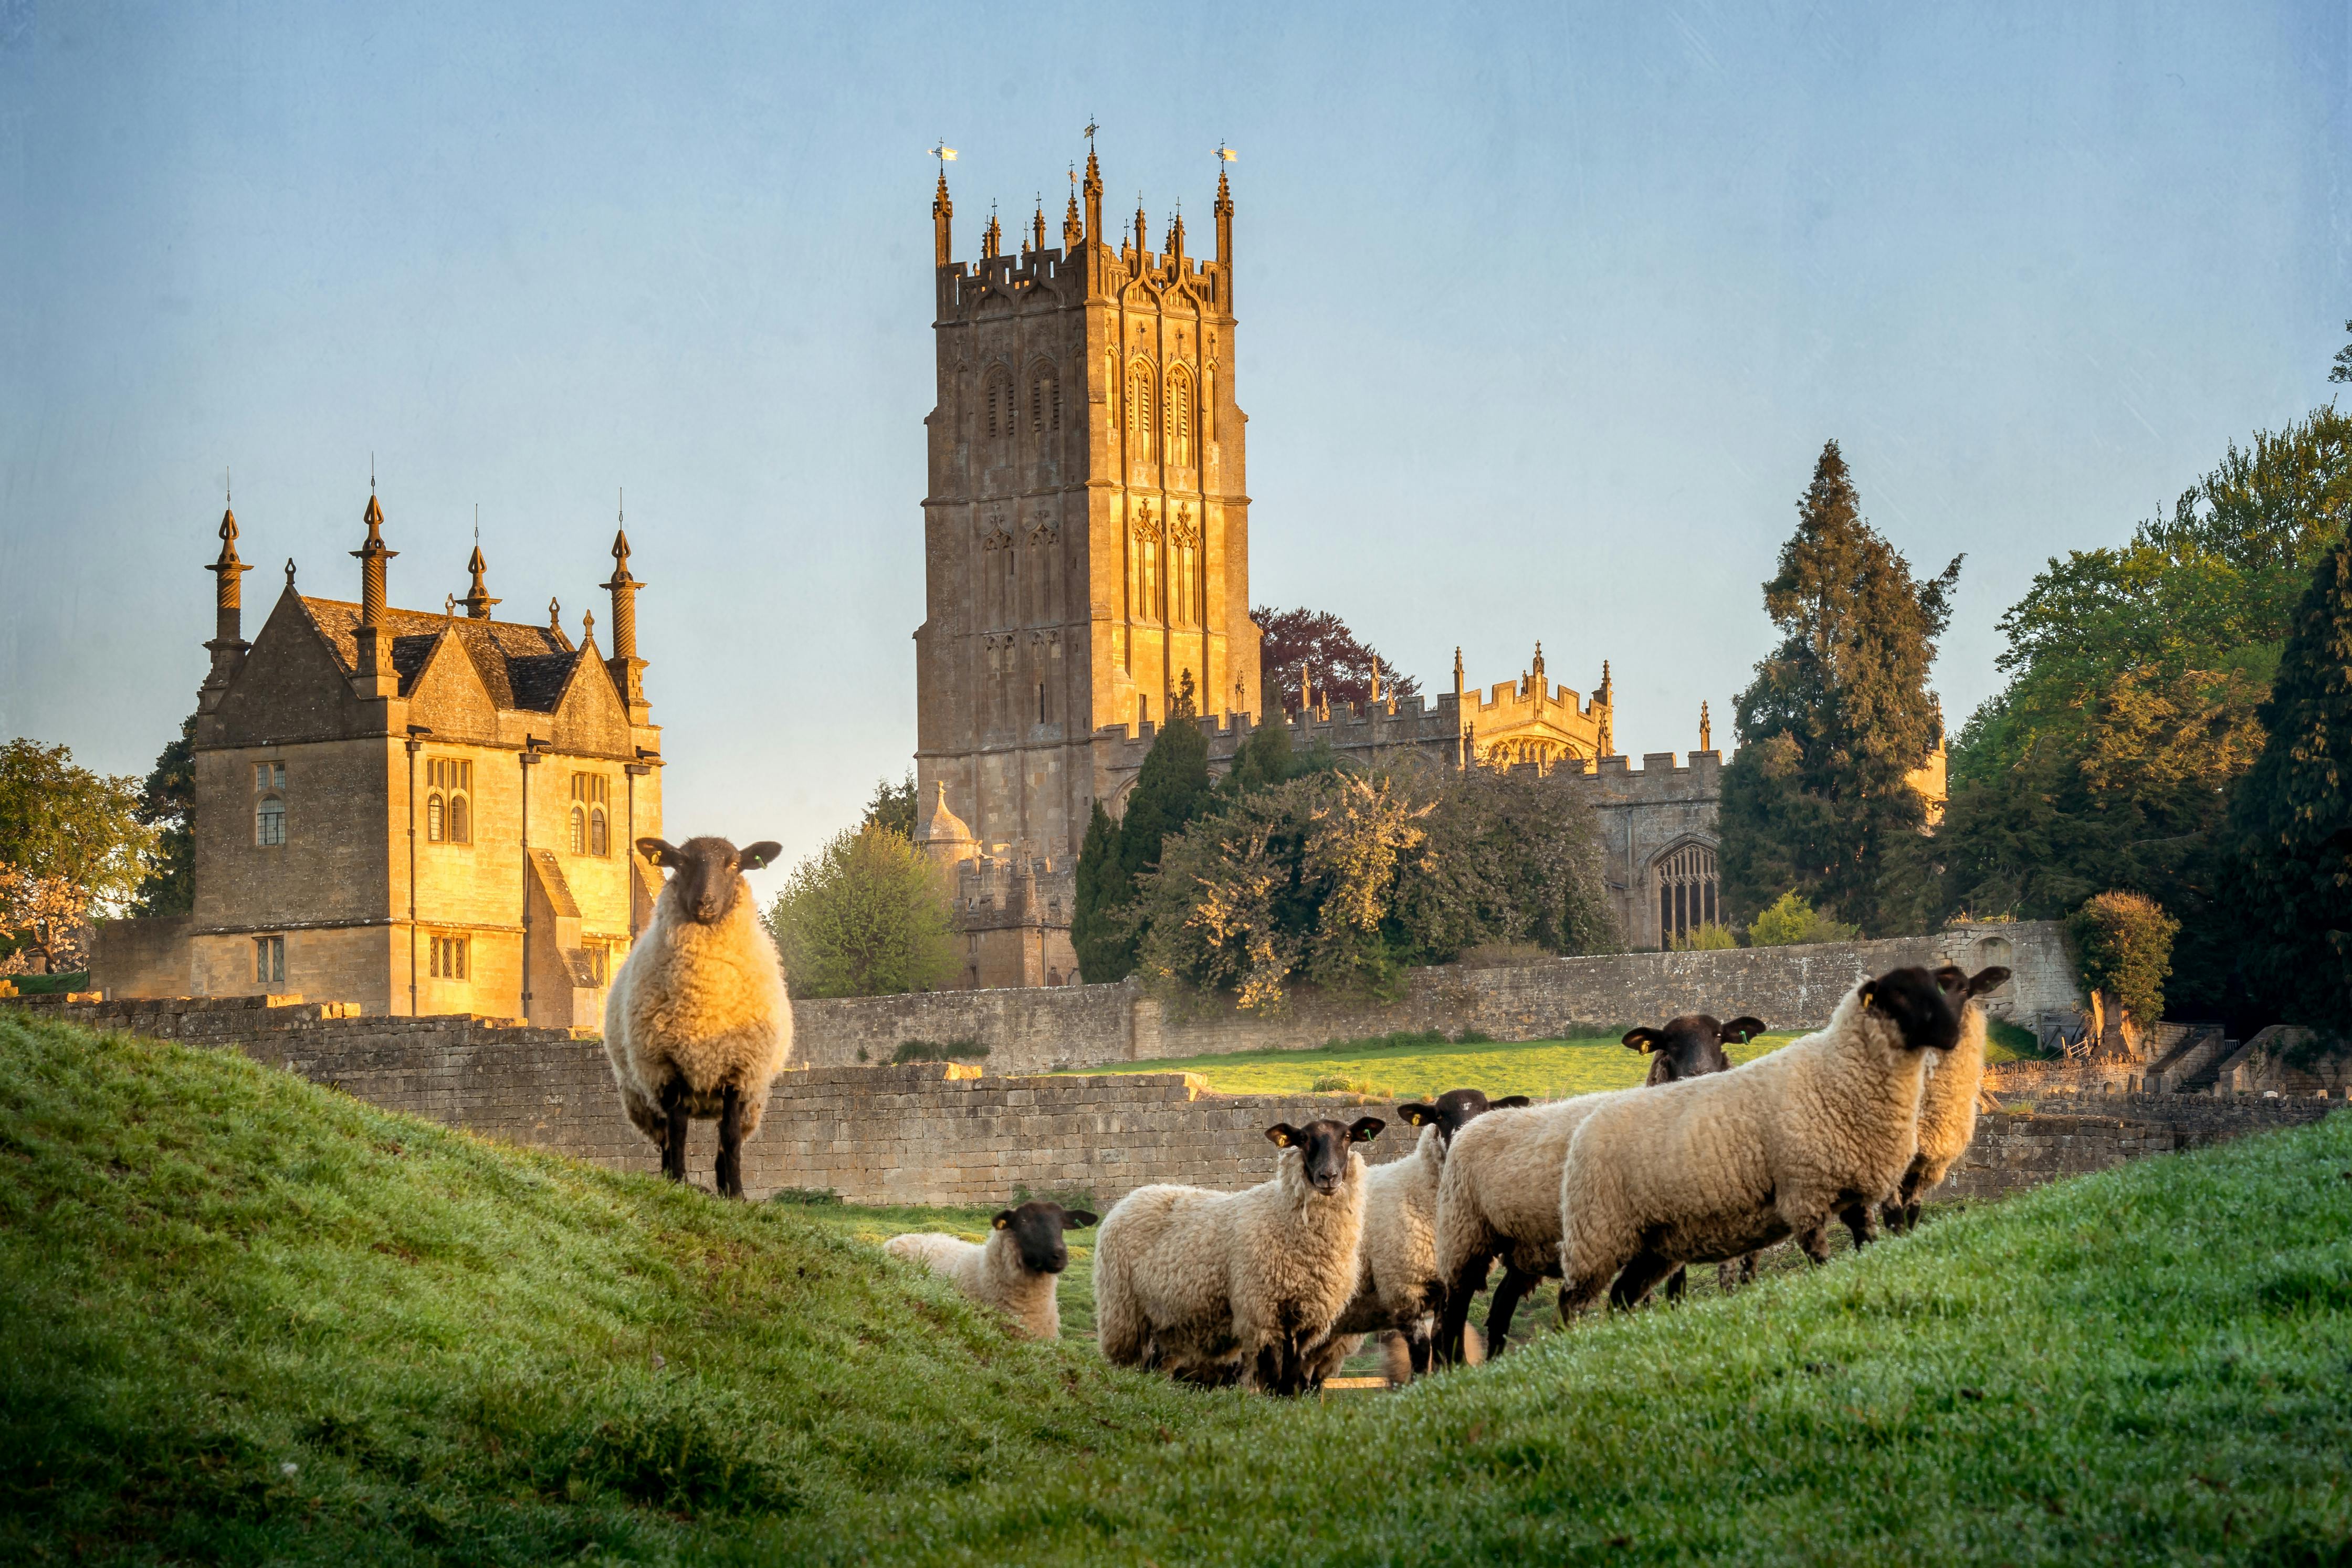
x,y
1687,1047
1499,1196
1398,1288
698,1023
1948,1106
1013,1270
1218,1287
1728,1163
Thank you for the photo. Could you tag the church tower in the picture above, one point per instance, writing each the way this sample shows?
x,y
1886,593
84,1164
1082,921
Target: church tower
x,y
1087,529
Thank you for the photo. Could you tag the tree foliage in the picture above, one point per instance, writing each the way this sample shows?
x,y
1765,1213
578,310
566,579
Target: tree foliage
x,y
167,804
892,808
74,841
1341,880
1171,790
2121,944
2293,814
1788,922
1340,664
867,915
2137,679
1837,718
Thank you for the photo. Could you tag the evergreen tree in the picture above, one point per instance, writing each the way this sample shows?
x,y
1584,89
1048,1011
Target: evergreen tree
x,y
1171,790
1818,797
168,804
2292,815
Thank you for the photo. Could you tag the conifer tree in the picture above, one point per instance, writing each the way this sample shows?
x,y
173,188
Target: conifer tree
x,y
1170,790
2293,813
167,803
1817,798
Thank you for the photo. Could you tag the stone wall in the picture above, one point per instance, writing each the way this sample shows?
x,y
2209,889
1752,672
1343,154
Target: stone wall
x,y
1086,1026
2015,1150
142,958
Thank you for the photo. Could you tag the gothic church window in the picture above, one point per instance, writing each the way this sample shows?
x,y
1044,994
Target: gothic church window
x,y
591,793
1180,417
1045,403
448,809
997,397
1140,382
1688,892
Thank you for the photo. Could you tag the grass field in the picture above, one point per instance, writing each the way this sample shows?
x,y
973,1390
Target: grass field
x,y
244,1319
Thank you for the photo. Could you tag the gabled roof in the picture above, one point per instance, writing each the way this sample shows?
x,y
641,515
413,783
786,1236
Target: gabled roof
x,y
523,667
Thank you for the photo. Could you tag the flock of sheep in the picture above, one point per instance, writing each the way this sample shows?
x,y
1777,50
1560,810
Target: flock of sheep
x,y
1274,1286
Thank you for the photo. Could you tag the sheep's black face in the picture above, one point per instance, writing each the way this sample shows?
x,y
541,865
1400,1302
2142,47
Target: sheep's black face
x,y
707,872
1926,1008
1456,1109
1690,1046
1037,1229
1325,1146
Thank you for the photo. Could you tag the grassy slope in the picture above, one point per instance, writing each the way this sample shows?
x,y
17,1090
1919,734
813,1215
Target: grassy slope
x,y
208,1270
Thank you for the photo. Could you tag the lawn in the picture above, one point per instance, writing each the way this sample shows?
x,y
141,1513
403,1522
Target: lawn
x,y
245,1319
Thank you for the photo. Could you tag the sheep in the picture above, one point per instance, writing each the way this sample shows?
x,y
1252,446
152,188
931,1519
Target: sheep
x,y
1947,1107
1731,1161
1013,1270
1687,1047
1220,1287
698,1022
1396,1282
1500,1194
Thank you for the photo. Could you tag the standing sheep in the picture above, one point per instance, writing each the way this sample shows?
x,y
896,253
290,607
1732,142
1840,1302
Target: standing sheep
x,y
1708,1169
698,1023
1687,1047
1013,1270
1212,1286
1398,1287
1499,1196
1948,1106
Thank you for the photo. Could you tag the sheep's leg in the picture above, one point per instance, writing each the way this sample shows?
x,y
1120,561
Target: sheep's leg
x,y
731,1144
1677,1284
1453,1316
1857,1221
1580,1291
1643,1273
674,1139
1418,1346
1815,1241
1731,1275
1506,1301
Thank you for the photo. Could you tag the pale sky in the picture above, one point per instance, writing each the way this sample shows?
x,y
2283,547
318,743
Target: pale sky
x,y
1544,312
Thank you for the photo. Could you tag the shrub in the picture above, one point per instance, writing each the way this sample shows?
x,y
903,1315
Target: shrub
x,y
1709,937
1790,921
2121,944
1334,1083
867,915
933,1051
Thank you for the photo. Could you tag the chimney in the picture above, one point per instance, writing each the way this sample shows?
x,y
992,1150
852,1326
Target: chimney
x,y
228,646
375,677
628,670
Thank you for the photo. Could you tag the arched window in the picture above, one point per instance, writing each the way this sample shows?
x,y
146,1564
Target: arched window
x,y
579,831
436,818
1140,380
1044,401
1180,417
461,830
597,841
269,822
996,397
448,816
1687,893
590,793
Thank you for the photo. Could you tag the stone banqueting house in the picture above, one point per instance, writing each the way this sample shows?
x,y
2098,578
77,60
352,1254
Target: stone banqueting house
x,y
414,813
1086,559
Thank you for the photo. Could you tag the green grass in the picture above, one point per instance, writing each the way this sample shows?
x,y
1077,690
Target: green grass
x,y
48,985
1405,1066
209,1270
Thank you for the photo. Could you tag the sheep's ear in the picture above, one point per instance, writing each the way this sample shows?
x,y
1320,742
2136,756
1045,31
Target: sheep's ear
x,y
1079,1219
1283,1133
1003,1218
1867,993
1953,981
1645,1040
661,852
759,856
1508,1102
1417,1114
1984,980
1740,1030
1366,1129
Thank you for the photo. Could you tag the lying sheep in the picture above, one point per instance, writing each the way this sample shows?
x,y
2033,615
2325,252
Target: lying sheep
x,y
1947,1107
1500,1194
698,1023
1219,1287
1725,1163
1398,1288
1687,1047
1013,1270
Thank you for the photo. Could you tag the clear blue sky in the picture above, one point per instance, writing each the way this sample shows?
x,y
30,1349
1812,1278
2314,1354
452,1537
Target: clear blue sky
x,y
1545,313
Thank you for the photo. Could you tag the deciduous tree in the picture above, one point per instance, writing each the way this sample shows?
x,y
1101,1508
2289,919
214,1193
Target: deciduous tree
x,y
867,915
1338,663
70,835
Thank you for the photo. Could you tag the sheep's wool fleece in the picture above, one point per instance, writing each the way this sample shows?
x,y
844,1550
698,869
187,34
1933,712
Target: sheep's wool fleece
x,y
1204,1276
703,1003
1947,1101
1712,1167
1397,1258
1500,1190
989,1273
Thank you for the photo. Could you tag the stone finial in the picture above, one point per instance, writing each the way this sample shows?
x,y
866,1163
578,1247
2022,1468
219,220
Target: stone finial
x,y
554,616
290,572
477,600
1037,226
992,238
1142,234
1093,192
587,627
371,556
942,223
1224,223
227,568
1376,677
1705,731
1074,228
1174,244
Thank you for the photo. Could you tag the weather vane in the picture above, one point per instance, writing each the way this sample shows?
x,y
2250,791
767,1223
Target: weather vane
x,y
944,154
1091,128
1225,154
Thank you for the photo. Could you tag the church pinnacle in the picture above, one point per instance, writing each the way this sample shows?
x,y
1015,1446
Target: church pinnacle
x,y
1074,228
942,222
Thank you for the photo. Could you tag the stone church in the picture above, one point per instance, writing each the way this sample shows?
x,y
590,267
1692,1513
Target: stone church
x,y
423,811
1086,544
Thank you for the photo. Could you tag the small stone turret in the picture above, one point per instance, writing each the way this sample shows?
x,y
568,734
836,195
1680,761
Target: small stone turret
x,y
375,677
628,670
228,646
477,600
